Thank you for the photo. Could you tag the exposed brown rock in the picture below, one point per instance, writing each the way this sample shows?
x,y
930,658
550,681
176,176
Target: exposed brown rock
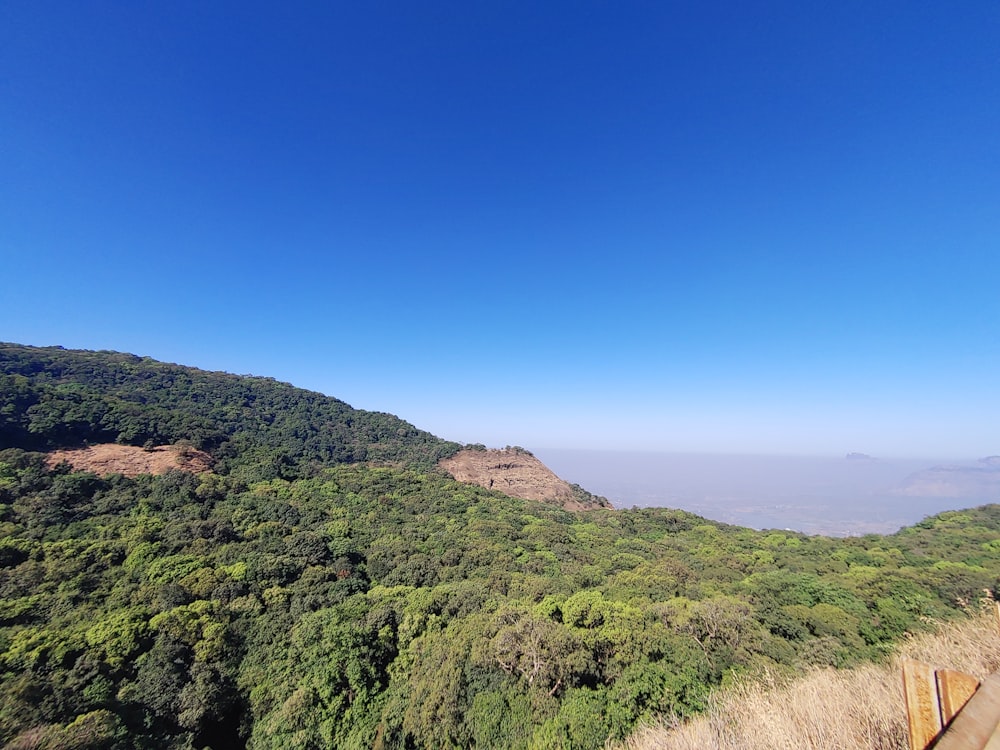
x,y
515,472
111,458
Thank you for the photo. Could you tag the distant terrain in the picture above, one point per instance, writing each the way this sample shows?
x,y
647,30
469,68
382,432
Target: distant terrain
x,y
949,481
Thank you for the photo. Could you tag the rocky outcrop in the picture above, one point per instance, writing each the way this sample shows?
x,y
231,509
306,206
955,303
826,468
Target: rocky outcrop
x,y
131,461
515,472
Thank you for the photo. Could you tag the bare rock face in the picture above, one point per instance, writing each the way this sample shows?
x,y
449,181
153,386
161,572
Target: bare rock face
x,y
131,461
515,472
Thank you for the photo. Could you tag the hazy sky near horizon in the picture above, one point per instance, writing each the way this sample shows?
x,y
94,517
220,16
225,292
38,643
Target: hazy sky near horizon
x,y
727,227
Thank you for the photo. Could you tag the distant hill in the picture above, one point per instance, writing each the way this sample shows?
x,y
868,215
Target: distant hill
x,y
980,482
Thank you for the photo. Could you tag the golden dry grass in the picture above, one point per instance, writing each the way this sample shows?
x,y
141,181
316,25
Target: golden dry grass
x,y
828,709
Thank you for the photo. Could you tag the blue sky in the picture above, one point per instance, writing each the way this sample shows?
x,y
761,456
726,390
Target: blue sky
x,y
726,227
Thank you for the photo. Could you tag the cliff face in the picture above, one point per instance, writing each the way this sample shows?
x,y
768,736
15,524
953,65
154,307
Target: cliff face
x,y
517,473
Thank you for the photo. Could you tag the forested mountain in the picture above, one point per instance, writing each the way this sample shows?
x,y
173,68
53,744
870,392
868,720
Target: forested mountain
x,y
299,595
254,426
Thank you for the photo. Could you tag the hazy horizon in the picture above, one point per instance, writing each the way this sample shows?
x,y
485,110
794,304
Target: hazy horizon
x,y
814,495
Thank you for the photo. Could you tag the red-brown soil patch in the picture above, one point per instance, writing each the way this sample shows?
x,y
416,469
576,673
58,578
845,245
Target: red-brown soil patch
x,y
111,458
516,473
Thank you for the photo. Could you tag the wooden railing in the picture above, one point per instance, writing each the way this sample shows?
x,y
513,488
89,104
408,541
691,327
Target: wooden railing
x,y
950,710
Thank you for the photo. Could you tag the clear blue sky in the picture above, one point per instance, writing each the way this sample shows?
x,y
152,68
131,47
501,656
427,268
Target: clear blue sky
x,y
734,227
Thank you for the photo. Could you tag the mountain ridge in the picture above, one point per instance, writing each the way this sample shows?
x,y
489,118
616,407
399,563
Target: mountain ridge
x,y
83,399
58,398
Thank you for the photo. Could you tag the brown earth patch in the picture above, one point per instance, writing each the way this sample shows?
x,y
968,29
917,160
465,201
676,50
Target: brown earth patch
x,y
130,460
517,473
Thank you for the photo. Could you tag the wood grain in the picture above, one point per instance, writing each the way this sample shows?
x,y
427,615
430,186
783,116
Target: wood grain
x,y
922,711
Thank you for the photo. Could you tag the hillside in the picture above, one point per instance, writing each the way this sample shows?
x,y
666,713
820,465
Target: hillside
x,y
63,401
255,427
852,709
320,589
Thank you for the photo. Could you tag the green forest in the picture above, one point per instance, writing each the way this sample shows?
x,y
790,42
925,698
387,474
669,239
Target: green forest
x,y
326,585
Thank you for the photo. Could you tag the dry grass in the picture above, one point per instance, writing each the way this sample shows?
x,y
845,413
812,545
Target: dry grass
x,y
828,709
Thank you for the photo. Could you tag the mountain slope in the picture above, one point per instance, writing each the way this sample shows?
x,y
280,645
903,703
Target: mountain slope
x,y
861,709
53,398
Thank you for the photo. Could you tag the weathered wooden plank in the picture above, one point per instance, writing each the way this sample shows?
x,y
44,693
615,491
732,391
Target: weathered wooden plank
x,y
922,711
994,743
976,724
954,690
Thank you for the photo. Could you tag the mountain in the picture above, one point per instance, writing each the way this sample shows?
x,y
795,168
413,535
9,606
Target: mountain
x,y
253,426
319,581
98,407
